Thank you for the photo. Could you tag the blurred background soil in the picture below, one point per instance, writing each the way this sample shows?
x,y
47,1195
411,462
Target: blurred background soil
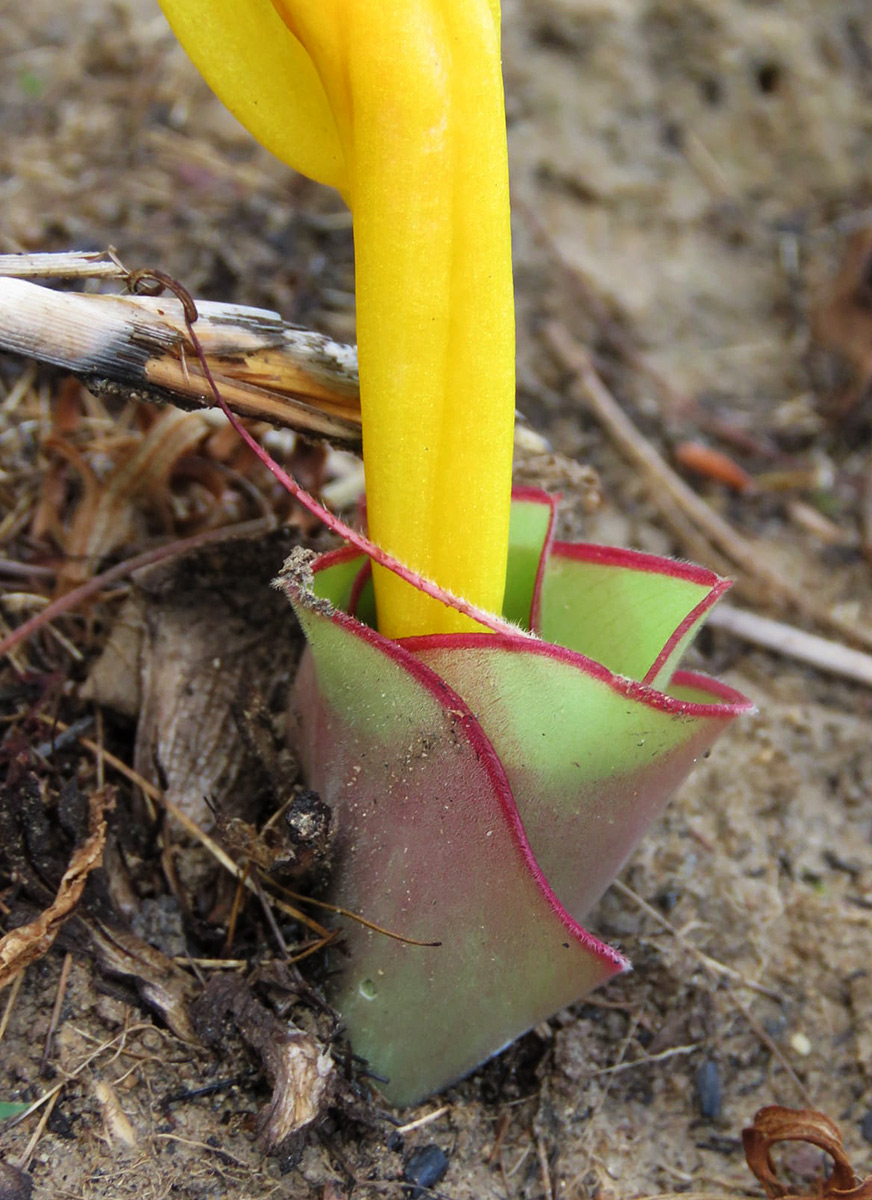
x,y
688,176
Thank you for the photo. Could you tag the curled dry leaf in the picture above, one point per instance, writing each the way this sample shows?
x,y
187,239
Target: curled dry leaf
x,y
161,984
24,945
776,1124
301,1072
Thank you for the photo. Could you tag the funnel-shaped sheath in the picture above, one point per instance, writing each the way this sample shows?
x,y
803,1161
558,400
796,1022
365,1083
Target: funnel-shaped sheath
x,y
487,787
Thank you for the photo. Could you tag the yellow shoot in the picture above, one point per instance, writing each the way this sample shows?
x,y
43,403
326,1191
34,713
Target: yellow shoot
x,y
399,104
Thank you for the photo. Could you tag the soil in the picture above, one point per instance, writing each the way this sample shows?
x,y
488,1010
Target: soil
x,y
687,176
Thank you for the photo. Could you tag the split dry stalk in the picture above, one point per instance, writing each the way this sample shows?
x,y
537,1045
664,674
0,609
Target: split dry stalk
x,y
136,346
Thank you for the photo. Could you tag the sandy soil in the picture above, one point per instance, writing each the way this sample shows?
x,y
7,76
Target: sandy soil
x,y
703,164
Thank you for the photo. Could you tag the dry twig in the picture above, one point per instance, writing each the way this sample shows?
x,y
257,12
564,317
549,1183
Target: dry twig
x,y
56,1011
781,638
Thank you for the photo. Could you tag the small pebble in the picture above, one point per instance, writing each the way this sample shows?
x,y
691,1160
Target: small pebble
x,y
800,1044
709,1093
425,1168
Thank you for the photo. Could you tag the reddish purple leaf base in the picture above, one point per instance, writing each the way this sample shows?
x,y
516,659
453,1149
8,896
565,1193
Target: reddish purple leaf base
x,y
487,787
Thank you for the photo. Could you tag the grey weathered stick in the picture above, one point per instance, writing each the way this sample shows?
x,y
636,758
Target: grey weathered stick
x,y
138,346
832,657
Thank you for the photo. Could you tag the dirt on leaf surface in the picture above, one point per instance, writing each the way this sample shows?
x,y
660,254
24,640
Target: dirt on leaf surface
x,y
703,164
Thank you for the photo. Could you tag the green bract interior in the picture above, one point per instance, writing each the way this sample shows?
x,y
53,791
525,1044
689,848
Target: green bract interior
x,y
616,614
627,612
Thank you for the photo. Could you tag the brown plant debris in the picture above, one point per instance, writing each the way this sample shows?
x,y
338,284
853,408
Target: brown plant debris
x,y
14,1184
162,985
105,517
24,945
187,645
301,1071
842,327
119,1132
297,844
775,1124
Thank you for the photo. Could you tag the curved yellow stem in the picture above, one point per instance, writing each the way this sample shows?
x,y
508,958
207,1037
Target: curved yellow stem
x,y
416,89
400,104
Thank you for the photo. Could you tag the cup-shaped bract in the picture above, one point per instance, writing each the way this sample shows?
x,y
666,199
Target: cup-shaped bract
x,y
487,787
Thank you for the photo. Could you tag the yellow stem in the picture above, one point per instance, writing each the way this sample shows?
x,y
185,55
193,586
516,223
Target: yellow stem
x,y
399,104
416,89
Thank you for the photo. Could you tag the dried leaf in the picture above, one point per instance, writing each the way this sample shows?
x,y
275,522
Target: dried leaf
x,y
776,1124
211,624
160,983
104,518
114,680
301,1072
24,945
